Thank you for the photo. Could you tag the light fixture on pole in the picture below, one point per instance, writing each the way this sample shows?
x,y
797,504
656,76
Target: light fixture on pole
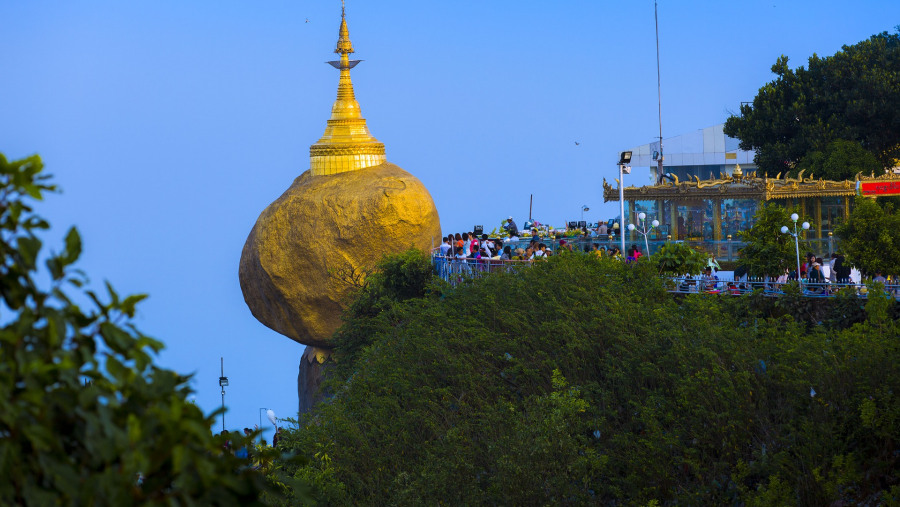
x,y
260,424
644,230
584,207
223,381
624,168
785,230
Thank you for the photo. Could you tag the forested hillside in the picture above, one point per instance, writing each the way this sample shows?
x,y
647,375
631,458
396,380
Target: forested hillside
x,y
580,380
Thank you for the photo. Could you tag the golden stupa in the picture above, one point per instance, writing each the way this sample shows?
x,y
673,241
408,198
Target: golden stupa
x,y
310,248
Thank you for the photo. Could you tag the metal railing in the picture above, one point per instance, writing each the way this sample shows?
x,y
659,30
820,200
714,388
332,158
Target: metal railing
x,y
775,288
725,250
455,271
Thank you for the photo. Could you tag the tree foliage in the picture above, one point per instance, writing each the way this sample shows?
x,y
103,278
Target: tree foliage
x,y
870,238
86,418
853,95
580,381
840,160
395,279
768,251
678,259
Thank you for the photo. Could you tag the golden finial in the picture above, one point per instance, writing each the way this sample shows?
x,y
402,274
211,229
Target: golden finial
x,y
344,46
347,144
738,173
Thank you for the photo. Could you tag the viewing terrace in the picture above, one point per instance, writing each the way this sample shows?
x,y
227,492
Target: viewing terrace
x,y
455,271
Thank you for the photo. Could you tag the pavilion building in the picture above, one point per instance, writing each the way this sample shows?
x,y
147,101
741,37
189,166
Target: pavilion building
x,y
709,191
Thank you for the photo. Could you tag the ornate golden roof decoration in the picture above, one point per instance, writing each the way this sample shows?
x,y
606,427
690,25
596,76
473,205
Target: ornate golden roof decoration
x,y
738,186
347,144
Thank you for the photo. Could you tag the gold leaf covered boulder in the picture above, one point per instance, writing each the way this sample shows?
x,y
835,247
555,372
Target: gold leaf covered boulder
x,y
310,247
301,258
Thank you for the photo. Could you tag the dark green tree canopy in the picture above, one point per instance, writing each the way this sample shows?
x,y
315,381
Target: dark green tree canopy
x,y
86,417
853,95
841,160
580,381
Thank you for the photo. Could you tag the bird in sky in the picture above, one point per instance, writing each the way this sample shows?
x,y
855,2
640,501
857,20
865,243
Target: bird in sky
x,y
577,143
307,20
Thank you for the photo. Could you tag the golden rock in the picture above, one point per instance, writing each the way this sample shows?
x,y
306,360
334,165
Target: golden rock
x,y
310,248
303,255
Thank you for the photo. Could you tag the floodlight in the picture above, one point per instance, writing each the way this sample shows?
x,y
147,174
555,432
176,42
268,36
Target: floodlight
x,y
625,158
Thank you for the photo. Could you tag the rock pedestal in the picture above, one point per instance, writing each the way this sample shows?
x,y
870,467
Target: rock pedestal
x,y
314,365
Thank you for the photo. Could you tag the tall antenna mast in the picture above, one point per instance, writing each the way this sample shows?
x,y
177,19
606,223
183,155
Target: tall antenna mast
x,y
659,160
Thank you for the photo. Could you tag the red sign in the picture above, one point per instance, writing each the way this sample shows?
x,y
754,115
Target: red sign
x,y
889,187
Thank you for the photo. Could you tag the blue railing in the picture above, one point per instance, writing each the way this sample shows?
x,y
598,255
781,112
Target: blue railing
x,y
725,250
455,271
700,284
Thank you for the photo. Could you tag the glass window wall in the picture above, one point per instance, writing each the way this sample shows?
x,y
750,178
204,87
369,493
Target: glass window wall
x,y
737,215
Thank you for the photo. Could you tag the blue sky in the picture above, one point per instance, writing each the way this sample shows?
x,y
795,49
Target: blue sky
x,y
171,125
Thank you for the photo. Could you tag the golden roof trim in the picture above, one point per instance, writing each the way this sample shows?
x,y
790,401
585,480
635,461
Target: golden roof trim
x,y
738,186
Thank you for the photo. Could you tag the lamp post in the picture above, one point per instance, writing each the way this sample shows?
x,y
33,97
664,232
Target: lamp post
x,y
624,168
584,207
260,424
644,230
223,381
785,230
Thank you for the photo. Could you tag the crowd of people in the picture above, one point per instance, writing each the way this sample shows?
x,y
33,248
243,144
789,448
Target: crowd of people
x,y
469,246
467,251
816,279
601,230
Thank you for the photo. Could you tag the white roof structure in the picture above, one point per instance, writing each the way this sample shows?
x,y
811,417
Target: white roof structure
x,y
705,147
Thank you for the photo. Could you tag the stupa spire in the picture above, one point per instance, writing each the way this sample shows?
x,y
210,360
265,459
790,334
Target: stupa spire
x,y
344,46
347,144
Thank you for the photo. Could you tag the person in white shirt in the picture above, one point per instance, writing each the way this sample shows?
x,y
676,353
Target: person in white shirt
x,y
832,277
445,246
487,244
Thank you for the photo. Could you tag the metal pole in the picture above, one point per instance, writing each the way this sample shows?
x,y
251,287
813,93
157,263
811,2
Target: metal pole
x,y
797,249
646,244
621,210
530,204
659,168
222,364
